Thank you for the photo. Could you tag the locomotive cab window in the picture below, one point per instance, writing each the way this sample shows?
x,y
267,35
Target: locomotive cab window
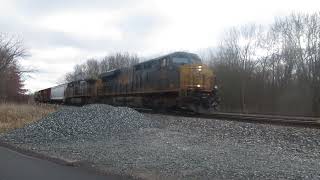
x,y
138,67
164,62
181,60
83,83
148,65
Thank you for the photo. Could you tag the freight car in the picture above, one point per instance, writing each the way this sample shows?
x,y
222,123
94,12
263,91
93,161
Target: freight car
x,y
43,95
175,81
57,93
82,92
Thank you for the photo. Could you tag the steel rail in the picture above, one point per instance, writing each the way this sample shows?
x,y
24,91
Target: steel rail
x,y
275,119
252,118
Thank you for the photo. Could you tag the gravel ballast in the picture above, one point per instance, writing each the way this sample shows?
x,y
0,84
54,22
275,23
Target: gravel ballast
x,y
124,141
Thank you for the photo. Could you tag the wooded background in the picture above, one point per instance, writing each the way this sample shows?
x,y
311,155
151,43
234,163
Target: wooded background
x,y
272,69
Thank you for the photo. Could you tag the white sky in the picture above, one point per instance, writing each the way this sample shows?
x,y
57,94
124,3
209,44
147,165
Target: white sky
x,y
59,34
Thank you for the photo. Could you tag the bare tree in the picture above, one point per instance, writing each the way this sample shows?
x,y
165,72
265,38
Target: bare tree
x,y
11,50
92,67
235,60
118,60
79,73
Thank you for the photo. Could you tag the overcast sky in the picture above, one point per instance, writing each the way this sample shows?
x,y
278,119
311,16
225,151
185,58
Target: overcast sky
x,y
61,33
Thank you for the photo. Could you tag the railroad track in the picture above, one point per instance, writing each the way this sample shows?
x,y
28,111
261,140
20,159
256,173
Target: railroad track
x,y
253,118
274,119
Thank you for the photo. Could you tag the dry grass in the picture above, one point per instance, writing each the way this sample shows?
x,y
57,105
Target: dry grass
x,y
17,115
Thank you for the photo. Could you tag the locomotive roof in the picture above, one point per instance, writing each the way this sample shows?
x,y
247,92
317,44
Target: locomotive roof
x,y
109,73
174,54
179,53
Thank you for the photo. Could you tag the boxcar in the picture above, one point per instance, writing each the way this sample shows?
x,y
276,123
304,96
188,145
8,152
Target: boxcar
x,y
57,93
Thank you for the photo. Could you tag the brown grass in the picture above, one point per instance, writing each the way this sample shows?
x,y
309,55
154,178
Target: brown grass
x,y
17,115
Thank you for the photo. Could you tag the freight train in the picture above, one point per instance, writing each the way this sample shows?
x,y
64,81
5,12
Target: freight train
x,y
175,81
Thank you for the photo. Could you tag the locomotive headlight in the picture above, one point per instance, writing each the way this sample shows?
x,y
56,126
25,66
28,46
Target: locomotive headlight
x,y
198,85
199,68
216,87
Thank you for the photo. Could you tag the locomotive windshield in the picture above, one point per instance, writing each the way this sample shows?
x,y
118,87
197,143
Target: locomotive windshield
x,y
178,60
186,59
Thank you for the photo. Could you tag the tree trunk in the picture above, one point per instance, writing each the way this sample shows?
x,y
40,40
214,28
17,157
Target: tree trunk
x,y
316,102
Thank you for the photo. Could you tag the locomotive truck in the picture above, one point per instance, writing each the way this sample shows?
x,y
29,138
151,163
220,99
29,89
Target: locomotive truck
x,y
175,81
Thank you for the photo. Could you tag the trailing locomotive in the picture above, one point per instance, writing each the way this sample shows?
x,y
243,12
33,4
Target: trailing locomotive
x,y
175,81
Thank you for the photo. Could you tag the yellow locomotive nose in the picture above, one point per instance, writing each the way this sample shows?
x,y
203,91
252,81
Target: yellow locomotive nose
x,y
196,76
197,88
